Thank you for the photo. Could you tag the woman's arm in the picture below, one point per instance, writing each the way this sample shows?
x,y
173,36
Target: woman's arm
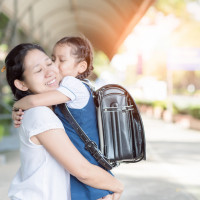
x,y
59,145
44,99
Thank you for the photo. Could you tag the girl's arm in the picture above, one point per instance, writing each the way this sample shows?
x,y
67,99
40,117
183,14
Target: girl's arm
x,y
44,99
56,142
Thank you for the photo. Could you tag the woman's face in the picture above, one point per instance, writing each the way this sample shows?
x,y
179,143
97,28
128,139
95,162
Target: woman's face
x,y
40,74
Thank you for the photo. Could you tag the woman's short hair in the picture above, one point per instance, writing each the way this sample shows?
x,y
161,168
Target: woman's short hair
x,y
81,50
14,63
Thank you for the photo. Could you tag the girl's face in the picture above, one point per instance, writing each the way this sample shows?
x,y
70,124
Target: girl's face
x,y
40,74
65,61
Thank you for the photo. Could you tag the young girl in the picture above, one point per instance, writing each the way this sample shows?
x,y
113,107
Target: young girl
x,y
73,56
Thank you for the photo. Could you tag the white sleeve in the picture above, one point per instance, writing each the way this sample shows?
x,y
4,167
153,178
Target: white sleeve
x,y
40,119
75,90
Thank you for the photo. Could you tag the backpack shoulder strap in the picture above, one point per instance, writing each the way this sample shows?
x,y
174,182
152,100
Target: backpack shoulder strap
x,y
88,83
90,145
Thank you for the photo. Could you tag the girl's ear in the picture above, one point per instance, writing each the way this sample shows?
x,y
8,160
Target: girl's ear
x,y
82,67
20,85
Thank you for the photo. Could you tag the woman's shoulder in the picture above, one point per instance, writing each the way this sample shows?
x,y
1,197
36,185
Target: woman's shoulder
x,y
38,109
38,119
40,114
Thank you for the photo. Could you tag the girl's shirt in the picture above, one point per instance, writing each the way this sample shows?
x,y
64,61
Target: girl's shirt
x,y
84,111
40,176
76,91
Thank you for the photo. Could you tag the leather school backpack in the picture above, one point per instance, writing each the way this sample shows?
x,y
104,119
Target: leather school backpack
x,y
121,131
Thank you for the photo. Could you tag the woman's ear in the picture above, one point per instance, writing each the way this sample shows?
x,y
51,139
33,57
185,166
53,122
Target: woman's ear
x,y
82,67
20,85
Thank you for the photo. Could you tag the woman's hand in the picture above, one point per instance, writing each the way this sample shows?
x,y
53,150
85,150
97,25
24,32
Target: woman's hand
x,y
17,117
107,197
116,196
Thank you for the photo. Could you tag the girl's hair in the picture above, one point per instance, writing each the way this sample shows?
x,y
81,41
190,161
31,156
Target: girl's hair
x,y
81,50
15,66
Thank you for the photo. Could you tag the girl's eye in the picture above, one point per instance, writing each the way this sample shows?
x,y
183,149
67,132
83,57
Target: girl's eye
x,y
62,60
49,64
39,70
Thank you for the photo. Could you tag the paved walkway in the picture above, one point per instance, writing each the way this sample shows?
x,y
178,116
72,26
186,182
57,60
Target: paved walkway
x,y
171,172
172,169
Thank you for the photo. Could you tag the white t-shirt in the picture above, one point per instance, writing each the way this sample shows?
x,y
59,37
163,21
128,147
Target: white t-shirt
x,y
40,176
76,91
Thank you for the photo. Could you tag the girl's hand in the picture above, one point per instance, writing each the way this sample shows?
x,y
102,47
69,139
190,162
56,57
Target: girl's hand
x,y
17,117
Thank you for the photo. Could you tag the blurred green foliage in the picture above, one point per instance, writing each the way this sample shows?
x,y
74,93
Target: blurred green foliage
x,y
193,110
177,7
102,63
4,128
5,123
100,59
161,104
143,102
3,23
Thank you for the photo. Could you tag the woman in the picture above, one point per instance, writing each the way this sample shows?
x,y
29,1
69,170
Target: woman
x,y
74,58
41,176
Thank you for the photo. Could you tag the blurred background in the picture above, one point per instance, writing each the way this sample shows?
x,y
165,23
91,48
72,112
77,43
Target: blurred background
x,y
152,48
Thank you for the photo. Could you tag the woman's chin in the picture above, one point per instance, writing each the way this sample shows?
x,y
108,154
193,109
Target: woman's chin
x,y
53,86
